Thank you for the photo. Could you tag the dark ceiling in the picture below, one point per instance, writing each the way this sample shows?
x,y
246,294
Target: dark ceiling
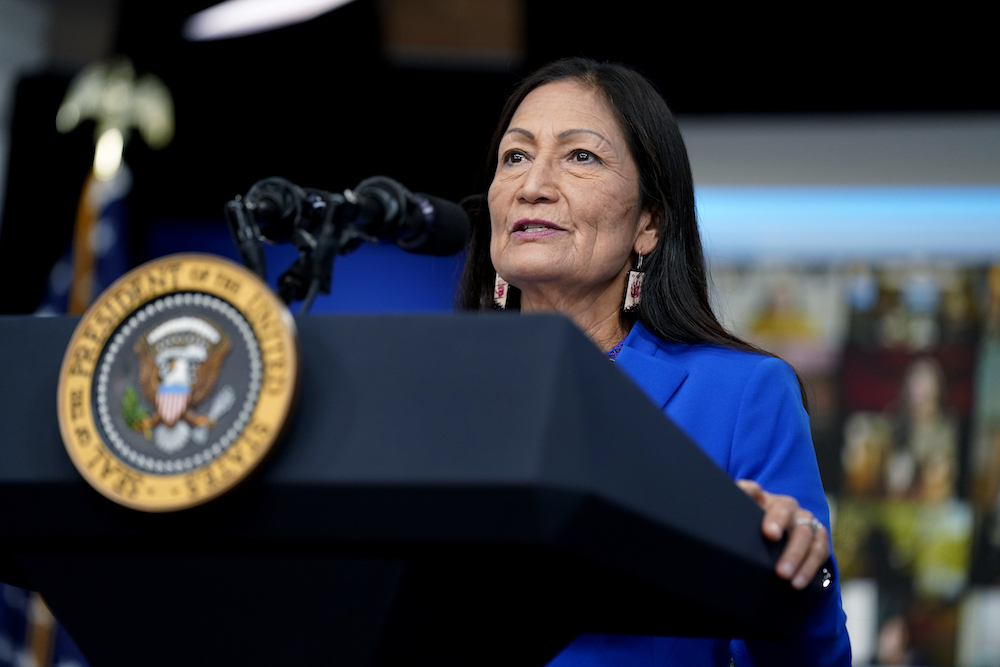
x,y
318,103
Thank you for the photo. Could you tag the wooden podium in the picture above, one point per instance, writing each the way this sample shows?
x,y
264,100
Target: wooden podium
x,y
452,490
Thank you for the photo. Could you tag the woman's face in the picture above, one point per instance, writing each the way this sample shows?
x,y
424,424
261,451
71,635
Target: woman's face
x,y
564,202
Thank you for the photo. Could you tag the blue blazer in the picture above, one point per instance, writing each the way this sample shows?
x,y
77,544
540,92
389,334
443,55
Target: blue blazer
x,y
745,410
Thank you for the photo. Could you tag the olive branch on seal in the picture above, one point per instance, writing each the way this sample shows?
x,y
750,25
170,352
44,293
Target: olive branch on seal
x,y
133,413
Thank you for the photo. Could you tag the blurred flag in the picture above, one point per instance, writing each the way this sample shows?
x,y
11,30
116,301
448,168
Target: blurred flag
x,y
110,94
98,253
13,624
29,635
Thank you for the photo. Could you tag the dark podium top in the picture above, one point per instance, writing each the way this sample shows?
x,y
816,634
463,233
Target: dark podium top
x,y
452,490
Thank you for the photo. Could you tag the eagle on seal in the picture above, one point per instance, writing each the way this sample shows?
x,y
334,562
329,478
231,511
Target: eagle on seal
x,y
179,363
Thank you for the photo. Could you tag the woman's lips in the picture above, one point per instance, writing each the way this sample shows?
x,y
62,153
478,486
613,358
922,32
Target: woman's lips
x,y
535,229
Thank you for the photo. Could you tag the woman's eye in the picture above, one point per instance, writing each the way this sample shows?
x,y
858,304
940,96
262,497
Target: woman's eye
x,y
583,156
513,157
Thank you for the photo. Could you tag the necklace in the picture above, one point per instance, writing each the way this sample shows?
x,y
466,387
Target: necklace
x,y
613,352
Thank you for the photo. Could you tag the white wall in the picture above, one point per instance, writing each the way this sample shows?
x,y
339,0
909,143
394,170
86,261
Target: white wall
x,y
915,186
956,148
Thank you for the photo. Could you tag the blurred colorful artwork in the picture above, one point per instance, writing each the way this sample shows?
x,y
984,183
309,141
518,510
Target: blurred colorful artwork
x,y
901,364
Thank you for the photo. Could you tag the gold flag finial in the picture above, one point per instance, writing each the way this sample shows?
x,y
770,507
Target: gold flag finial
x,y
109,93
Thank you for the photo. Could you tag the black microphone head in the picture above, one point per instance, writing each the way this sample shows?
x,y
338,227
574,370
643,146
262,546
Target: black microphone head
x,y
438,227
383,205
276,205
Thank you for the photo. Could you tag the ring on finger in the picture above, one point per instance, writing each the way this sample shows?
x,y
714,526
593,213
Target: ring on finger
x,y
812,522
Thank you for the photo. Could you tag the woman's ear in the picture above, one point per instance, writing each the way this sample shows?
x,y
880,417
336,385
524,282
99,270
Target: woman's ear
x,y
649,232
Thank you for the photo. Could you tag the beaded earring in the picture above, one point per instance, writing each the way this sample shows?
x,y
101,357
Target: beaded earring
x,y
501,289
633,288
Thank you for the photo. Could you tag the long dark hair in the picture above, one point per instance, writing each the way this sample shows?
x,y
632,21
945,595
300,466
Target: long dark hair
x,y
675,305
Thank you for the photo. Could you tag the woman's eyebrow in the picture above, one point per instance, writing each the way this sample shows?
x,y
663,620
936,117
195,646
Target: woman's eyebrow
x,y
562,135
572,131
518,130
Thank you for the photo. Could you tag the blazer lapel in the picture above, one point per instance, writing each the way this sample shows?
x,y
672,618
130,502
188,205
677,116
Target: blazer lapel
x,y
658,378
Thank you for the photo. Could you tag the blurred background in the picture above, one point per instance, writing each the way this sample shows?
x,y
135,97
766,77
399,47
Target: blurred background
x,y
847,178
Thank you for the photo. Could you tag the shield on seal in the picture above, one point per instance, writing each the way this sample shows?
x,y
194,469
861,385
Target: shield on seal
x,y
171,402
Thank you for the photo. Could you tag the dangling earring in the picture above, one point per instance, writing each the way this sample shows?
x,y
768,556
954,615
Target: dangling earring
x,y
633,288
501,289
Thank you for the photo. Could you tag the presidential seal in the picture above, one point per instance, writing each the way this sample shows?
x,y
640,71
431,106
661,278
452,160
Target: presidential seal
x,y
177,382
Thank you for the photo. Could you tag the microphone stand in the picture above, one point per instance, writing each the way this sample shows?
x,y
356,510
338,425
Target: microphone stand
x,y
246,235
320,232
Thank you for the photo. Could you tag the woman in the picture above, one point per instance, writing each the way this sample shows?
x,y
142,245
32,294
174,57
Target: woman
x,y
591,207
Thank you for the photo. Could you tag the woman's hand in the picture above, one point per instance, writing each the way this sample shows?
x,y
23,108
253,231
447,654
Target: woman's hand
x,y
808,543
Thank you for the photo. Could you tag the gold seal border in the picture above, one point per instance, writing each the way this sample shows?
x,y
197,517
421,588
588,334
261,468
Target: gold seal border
x,y
274,329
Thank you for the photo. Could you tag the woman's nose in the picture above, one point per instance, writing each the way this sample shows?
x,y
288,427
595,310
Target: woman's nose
x,y
539,184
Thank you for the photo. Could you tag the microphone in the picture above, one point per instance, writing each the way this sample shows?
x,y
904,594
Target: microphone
x,y
276,206
417,223
324,224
